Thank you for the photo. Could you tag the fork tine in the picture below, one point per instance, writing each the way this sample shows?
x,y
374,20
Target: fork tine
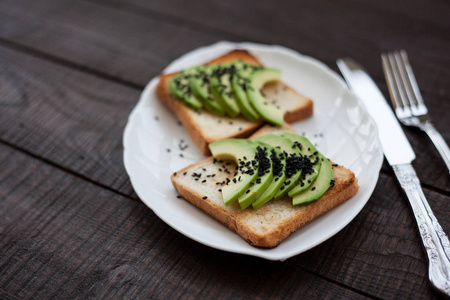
x,y
399,85
409,98
394,85
421,108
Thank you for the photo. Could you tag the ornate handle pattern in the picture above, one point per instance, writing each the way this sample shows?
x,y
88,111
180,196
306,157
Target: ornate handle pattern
x,y
438,141
435,241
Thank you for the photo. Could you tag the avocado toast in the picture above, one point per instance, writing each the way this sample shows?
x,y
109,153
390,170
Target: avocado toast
x,y
211,121
270,223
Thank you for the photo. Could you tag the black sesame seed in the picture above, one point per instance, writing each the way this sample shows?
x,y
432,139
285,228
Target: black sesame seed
x,y
313,188
204,197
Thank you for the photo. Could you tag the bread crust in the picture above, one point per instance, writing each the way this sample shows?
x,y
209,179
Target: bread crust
x,y
192,120
269,225
275,231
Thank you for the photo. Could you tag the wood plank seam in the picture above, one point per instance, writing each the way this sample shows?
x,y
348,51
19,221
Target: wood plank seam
x,y
73,173
67,63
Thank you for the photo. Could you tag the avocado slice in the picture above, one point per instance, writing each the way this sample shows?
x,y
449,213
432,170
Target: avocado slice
x,y
264,179
200,87
221,88
320,186
279,162
311,165
280,146
239,90
180,89
293,170
242,152
266,110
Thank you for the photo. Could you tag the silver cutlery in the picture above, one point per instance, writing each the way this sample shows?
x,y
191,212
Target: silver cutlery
x,y
399,155
407,100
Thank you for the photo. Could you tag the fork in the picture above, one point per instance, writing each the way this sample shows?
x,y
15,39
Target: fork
x,y
407,100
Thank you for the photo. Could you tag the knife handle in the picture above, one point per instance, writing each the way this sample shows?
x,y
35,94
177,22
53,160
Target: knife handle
x,y
435,241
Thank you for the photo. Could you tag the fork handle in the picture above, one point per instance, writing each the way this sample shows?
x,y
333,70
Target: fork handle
x,y
435,241
438,141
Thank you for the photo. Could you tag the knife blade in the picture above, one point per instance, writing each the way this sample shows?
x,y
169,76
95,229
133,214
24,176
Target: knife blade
x,y
399,154
396,146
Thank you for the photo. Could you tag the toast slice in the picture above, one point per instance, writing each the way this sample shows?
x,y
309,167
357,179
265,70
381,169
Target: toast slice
x,y
204,127
269,225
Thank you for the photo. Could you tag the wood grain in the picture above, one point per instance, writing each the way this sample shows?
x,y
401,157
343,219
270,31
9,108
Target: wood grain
x,y
118,44
71,119
81,34
77,240
70,225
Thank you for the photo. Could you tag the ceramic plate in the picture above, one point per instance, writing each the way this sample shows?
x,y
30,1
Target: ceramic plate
x,y
156,145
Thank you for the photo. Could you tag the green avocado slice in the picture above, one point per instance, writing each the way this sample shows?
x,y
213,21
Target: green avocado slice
x,y
320,186
306,180
311,162
281,147
239,90
200,87
264,179
279,162
242,152
266,110
221,88
293,170
180,89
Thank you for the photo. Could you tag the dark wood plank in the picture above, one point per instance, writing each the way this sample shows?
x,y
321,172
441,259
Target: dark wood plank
x,y
62,237
85,35
123,45
66,117
380,250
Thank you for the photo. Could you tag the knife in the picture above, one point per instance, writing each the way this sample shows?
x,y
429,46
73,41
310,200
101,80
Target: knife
x,y
399,154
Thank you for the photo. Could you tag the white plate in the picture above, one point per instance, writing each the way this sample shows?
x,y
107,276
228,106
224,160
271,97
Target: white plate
x,y
341,128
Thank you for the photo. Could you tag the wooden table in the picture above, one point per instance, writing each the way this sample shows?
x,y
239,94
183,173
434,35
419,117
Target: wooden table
x,y
71,225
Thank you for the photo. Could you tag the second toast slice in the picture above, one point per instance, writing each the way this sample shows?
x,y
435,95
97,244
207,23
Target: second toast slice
x,y
204,127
